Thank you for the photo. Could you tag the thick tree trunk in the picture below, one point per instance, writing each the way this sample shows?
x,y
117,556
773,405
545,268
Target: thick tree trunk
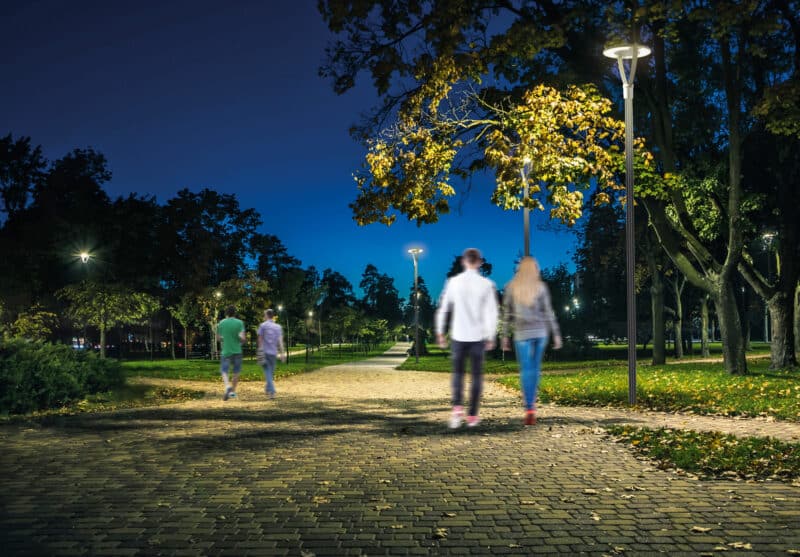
x,y
731,331
186,343
657,305
782,349
704,320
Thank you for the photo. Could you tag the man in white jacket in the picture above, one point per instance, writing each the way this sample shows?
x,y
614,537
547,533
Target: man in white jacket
x,y
471,302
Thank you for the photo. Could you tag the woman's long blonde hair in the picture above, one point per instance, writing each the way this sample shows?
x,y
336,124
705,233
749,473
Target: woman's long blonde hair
x,y
527,282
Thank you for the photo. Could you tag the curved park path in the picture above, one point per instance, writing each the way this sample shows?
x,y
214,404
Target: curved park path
x,y
357,459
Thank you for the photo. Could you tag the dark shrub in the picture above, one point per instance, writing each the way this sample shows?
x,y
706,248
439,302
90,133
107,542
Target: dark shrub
x,y
36,375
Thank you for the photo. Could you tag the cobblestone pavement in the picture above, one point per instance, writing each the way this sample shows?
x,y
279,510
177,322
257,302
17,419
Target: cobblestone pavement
x,y
357,459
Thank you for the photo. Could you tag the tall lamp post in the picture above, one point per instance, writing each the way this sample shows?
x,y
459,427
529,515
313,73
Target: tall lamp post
x,y
288,337
215,348
633,53
85,257
309,323
526,213
414,255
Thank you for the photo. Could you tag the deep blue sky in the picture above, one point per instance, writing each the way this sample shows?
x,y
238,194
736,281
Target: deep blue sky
x,y
226,95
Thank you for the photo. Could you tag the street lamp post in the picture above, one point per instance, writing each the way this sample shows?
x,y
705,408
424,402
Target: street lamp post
x,y
414,255
526,213
288,337
308,331
85,256
215,349
632,53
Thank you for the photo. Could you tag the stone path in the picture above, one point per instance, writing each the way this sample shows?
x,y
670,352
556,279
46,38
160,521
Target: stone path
x,y
356,459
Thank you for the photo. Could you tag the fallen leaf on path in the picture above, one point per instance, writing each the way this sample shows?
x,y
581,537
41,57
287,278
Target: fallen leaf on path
x,y
700,529
449,515
440,533
382,507
590,491
741,545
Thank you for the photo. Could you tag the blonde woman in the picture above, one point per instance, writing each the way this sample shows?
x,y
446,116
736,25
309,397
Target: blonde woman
x,y
526,303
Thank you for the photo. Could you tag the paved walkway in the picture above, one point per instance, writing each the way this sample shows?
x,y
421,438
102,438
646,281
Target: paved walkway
x,y
356,459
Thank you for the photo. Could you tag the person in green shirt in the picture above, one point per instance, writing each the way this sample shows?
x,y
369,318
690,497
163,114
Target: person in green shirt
x,y
231,333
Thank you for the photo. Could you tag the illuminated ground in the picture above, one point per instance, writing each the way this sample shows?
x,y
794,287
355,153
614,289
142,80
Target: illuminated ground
x,y
358,460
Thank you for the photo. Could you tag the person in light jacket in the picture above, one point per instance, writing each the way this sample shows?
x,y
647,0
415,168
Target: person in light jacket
x,y
526,304
471,303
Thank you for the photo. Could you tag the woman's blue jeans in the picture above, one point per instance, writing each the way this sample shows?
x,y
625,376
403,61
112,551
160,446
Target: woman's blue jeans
x,y
529,355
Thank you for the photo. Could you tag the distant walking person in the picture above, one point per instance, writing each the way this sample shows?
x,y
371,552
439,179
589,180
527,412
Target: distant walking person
x,y
526,304
231,332
270,347
470,300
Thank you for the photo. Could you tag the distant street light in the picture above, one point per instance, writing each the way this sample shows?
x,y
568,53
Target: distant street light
x,y
526,213
633,53
414,255
85,256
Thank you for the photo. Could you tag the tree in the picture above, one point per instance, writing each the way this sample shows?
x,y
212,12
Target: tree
x,y
21,168
102,306
187,313
68,212
381,299
37,323
206,236
600,262
337,291
457,268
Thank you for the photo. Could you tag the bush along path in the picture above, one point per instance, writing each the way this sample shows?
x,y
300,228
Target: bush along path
x,y
357,459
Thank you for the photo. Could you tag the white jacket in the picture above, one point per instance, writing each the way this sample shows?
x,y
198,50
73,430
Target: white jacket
x,y
471,301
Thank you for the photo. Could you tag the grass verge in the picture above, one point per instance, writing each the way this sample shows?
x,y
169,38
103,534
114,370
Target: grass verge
x,y
208,370
713,454
127,396
701,388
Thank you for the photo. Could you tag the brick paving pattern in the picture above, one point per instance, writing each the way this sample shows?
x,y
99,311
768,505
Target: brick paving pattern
x,y
357,460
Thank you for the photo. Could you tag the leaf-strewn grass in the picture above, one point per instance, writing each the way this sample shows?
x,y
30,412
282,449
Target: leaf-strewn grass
x,y
125,396
714,454
208,370
703,388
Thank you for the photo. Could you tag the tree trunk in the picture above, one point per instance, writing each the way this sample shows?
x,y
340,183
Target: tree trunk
x,y
731,330
656,301
186,343
102,341
657,308
678,329
704,351
172,336
782,349
797,320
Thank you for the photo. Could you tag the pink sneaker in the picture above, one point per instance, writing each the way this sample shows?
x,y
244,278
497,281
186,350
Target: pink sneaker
x,y
472,421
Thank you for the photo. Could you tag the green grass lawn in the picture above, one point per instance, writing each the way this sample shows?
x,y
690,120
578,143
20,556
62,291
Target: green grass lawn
x,y
713,454
127,396
208,370
703,388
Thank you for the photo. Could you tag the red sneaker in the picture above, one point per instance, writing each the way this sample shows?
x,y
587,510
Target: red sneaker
x,y
530,417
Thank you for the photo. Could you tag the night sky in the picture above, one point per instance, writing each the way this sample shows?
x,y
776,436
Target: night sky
x,y
226,95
